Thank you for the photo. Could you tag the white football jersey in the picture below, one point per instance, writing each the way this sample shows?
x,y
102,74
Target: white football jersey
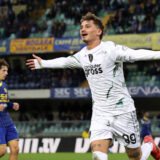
x,y
103,67
104,73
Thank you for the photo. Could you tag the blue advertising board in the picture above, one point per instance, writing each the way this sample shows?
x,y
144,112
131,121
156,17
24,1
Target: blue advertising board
x,y
61,93
148,91
68,44
75,93
4,47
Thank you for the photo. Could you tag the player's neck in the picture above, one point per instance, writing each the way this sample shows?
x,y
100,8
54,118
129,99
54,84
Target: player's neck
x,y
93,44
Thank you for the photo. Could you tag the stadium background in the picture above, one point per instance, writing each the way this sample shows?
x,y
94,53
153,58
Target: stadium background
x,y
55,105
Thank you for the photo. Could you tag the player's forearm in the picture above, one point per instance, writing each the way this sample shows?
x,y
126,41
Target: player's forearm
x,y
143,54
138,55
54,63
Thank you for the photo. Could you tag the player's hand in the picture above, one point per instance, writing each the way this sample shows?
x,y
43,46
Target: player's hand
x,y
2,107
30,62
16,106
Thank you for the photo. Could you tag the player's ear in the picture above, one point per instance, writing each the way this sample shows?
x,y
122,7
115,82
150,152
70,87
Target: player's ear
x,y
99,32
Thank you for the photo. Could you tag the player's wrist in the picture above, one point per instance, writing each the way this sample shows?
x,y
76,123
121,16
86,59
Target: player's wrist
x,y
37,64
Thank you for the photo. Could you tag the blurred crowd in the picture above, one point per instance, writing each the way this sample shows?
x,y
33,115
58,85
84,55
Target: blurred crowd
x,y
130,16
25,79
16,18
143,74
139,74
66,111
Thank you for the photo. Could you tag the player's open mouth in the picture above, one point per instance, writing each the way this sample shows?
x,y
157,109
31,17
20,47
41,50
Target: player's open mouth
x,y
84,35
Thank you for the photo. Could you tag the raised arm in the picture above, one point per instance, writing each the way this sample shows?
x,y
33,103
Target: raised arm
x,y
63,62
125,54
31,62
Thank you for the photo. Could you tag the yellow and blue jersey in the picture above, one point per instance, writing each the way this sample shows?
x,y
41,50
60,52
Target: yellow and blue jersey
x,y
145,127
5,119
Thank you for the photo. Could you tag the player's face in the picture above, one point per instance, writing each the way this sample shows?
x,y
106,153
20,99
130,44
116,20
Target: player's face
x,y
3,73
89,31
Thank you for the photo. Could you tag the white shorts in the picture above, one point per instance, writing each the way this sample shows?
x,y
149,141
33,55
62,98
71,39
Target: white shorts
x,y
124,128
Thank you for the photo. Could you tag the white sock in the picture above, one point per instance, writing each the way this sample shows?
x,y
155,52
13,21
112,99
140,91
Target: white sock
x,y
146,150
97,155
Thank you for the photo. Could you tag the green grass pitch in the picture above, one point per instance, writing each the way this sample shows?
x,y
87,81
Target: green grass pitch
x,y
67,156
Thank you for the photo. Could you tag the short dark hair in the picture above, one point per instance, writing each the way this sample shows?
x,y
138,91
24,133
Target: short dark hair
x,y
97,21
3,62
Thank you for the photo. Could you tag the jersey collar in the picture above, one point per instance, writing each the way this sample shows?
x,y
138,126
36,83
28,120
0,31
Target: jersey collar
x,y
94,49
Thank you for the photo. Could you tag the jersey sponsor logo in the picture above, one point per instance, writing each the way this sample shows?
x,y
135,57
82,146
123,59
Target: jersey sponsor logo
x,y
3,96
93,69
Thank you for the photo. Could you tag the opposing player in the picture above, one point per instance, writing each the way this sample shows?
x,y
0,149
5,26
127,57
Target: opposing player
x,y
8,132
145,125
113,108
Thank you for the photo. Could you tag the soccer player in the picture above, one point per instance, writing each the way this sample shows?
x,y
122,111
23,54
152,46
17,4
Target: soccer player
x,y
8,132
113,110
145,125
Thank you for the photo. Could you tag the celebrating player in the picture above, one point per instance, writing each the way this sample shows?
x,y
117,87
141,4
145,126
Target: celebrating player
x,y
113,110
8,132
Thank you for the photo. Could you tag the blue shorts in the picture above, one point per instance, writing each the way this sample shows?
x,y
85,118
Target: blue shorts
x,y
7,134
